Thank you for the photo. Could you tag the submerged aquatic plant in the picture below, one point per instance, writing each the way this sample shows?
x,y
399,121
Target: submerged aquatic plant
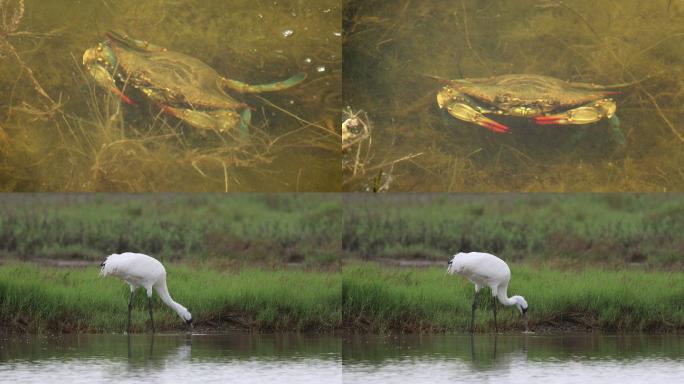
x,y
10,16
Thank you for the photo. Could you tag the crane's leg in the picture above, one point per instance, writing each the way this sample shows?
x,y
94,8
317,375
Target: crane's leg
x,y
149,308
496,328
472,315
130,308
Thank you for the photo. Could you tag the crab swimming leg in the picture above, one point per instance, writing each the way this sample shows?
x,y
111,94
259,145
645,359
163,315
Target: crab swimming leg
x,y
271,87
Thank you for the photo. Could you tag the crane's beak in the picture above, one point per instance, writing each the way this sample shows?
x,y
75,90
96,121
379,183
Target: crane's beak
x,y
524,316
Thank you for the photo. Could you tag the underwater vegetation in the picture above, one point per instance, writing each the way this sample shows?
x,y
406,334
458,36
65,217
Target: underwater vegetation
x,y
59,132
393,50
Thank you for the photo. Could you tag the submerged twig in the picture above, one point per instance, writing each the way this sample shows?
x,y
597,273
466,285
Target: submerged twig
x,y
326,130
467,38
10,19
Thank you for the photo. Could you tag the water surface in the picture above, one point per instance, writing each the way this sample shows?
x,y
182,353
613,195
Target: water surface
x,y
238,357
514,359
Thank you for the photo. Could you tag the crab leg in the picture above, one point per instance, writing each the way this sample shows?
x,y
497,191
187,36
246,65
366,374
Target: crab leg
x,y
218,120
588,113
467,113
131,43
104,79
271,87
121,95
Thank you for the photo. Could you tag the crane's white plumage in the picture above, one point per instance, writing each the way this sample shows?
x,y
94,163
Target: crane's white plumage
x,y
140,270
487,270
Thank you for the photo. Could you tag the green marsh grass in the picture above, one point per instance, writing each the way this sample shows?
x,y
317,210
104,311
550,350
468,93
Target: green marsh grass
x,y
265,229
40,299
380,298
625,230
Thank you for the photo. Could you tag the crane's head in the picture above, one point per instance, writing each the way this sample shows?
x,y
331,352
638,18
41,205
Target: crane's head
x,y
521,304
451,265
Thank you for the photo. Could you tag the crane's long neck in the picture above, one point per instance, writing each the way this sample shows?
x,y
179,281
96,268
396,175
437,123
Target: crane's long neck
x,y
164,295
502,295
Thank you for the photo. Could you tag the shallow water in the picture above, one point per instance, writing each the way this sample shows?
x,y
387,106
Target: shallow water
x,y
238,357
391,45
514,359
302,358
79,139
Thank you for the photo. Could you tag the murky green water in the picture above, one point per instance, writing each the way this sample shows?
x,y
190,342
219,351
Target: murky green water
x,y
239,357
73,139
514,359
391,45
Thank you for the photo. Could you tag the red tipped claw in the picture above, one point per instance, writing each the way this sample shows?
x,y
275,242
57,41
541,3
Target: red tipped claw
x,y
494,126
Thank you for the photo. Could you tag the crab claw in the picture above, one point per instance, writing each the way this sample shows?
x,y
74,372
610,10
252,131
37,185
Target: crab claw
x,y
467,113
589,113
552,119
492,125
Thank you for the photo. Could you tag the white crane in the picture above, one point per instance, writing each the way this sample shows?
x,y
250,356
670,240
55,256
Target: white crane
x,y
486,270
140,270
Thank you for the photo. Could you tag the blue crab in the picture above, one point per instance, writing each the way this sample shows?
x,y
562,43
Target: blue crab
x,y
544,99
180,85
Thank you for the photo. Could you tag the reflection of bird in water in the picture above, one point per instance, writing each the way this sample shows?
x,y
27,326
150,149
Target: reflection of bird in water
x,y
483,357
130,353
486,270
150,350
140,270
497,353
